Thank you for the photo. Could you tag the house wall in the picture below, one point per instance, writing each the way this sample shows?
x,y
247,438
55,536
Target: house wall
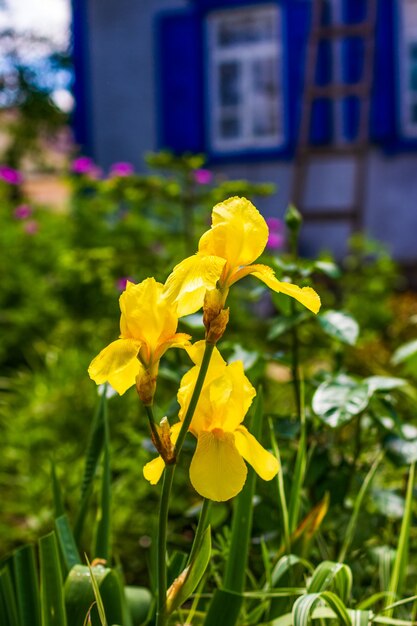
x,y
123,99
122,90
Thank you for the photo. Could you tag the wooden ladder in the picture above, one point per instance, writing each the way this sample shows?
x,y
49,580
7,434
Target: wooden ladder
x,y
357,148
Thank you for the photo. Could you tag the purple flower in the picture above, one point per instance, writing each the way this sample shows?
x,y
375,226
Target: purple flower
x,y
122,169
10,176
122,281
83,165
276,237
22,212
203,177
31,227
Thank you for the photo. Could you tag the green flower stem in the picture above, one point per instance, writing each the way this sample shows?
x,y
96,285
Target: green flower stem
x,y
295,362
161,616
202,525
162,545
154,429
194,398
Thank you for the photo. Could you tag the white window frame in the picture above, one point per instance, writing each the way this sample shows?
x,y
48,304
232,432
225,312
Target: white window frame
x,y
407,37
246,54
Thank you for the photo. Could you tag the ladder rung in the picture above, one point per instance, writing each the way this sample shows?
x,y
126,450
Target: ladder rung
x,y
352,149
337,90
336,214
361,29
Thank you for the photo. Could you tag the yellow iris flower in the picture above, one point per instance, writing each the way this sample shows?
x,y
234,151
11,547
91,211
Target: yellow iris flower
x,y
226,253
148,325
218,471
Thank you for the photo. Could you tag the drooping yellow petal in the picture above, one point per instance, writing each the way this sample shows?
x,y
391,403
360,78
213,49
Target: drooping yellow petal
x,y
179,340
305,295
146,313
122,380
239,232
116,364
239,399
153,470
217,470
189,281
262,461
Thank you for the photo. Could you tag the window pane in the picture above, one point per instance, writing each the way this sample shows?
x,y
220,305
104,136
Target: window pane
x,y
229,79
246,28
229,128
264,99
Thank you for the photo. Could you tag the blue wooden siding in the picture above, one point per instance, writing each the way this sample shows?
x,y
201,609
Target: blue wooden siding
x,y
82,115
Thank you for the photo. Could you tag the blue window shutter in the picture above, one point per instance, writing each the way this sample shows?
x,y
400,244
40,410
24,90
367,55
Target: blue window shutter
x,y
383,107
180,77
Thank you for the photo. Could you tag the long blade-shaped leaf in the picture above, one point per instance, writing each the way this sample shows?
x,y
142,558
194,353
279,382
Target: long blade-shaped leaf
x,y
52,596
27,586
401,557
57,493
94,450
329,575
8,609
299,470
224,608
103,530
303,608
350,531
67,543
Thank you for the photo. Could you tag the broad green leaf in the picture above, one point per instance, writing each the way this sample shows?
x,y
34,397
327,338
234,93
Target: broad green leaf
x,y
187,581
405,352
401,451
8,609
327,268
139,602
340,326
52,596
27,586
303,608
79,596
383,383
340,399
332,576
67,543
224,608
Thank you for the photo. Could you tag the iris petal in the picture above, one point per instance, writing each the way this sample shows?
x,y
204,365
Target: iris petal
x,y
305,295
153,470
189,280
116,364
217,470
262,461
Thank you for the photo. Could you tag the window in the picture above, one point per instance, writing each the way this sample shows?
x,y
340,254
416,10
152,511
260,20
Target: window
x,y
408,67
245,79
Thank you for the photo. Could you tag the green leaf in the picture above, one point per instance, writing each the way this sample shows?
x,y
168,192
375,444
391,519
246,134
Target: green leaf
x,y
103,530
340,399
182,588
79,596
285,564
67,543
401,451
56,491
340,326
52,596
383,383
401,558
94,449
224,608
139,602
330,575
8,609
327,268
303,607
405,352
284,324
27,586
